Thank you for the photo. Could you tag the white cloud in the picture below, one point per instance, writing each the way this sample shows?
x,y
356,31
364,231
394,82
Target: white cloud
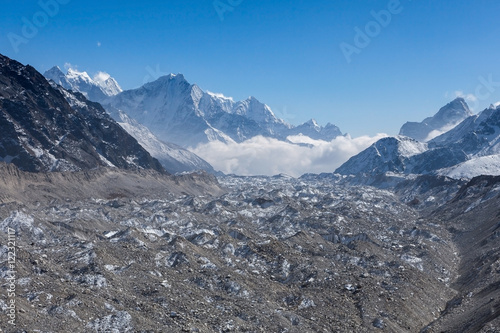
x,y
68,65
266,156
98,44
219,95
101,77
437,132
303,139
467,97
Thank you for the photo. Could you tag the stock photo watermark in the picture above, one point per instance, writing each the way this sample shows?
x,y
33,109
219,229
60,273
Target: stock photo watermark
x,y
484,90
364,36
285,115
11,277
31,27
223,6
486,87
153,74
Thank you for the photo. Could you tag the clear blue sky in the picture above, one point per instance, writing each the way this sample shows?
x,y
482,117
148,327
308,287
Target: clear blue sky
x,y
285,53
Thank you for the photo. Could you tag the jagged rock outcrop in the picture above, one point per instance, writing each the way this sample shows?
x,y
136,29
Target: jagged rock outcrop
x,y
50,129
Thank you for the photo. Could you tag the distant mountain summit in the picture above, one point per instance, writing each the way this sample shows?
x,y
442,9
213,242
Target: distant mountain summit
x,y
48,128
95,89
315,131
447,117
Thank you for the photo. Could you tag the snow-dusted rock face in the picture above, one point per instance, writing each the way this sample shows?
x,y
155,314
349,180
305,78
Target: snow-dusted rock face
x,y
476,166
45,128
477,135
386,155
447,117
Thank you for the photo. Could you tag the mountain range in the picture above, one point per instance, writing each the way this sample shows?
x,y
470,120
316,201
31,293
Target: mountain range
x,y
468,149
177,111
168,116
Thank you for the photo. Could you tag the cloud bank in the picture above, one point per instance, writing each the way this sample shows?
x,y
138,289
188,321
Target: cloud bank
x,y
267,156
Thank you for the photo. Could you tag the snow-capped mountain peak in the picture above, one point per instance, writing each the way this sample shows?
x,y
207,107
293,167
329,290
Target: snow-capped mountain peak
x,y
76,76
312,123
455,111
56,75
108,84
102,85
444,120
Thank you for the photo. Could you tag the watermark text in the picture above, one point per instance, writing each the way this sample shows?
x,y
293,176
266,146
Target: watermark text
x,y
31,27
364,36
223,6
11,277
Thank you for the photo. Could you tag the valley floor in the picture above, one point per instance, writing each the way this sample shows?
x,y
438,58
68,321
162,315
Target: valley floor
x,y
128,252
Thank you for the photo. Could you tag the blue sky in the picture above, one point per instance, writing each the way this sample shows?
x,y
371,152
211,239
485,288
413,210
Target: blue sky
x,y
285,53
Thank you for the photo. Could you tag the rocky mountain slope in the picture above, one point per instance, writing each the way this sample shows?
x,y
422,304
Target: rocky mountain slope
x,y
22,187
472,218
49,129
